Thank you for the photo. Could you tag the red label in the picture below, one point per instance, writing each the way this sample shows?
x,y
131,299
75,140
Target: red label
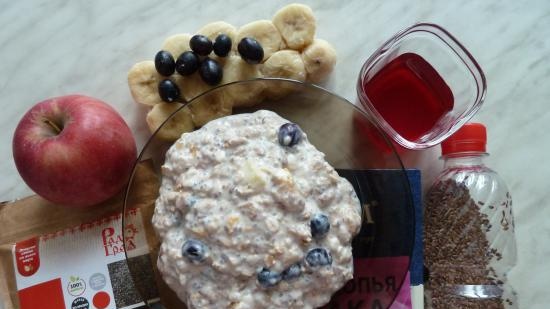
x,y
377,283
27,257
46,295
101,300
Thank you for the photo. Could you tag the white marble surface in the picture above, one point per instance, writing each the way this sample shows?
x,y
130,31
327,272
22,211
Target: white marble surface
x,y
50,48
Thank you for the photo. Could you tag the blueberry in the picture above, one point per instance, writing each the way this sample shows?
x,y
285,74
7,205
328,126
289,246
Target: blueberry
x,y
187,63
319,225
164,63
293,272
318,257
200,44
211,71
222,45
268,278
169,91
251,51
289,134
194,250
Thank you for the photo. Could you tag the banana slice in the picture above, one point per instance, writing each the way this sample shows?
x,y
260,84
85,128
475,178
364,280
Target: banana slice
x,y
286,64
209,107
265,33
246,94
319,59
296,24
212,30
143,81
191,86
180,123
177,44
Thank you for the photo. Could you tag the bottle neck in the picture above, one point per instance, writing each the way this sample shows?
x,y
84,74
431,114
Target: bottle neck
x,y
464,159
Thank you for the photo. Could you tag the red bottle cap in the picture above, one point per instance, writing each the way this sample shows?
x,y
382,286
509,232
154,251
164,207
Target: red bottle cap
x,y
471,137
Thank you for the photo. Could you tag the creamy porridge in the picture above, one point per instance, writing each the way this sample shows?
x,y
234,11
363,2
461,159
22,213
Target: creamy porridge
x,y
250,215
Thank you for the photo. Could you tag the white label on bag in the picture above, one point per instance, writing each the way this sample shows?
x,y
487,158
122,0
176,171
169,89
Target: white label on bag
x,y
83,267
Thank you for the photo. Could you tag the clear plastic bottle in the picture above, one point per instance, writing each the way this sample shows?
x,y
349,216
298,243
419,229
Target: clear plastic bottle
x,y
469,229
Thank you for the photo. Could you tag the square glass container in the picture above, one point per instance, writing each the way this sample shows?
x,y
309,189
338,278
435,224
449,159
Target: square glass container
x,y
440,58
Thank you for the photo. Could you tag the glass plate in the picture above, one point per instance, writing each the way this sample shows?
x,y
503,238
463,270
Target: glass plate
x,y
352,145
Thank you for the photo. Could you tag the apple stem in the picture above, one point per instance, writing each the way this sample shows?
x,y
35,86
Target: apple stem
x,y
54,126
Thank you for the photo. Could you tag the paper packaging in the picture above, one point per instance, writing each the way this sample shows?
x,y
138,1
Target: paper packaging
x,y
83,266
94,265
384,275
63,258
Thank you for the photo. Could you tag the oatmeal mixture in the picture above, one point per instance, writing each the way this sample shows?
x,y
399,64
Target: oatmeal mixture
x,y
250,215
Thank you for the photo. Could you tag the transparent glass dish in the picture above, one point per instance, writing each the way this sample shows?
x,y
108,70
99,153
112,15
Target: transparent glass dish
x,y
454,64
333,125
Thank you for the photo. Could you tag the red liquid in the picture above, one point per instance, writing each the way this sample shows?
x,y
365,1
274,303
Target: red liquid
x,y
410,95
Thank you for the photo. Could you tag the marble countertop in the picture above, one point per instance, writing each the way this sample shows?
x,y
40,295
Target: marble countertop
x,y
56,47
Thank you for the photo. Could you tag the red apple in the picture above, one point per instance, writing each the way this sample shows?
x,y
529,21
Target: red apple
x,y
74,150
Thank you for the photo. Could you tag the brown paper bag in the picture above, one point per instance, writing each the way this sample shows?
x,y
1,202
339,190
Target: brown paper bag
x,y
34,216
